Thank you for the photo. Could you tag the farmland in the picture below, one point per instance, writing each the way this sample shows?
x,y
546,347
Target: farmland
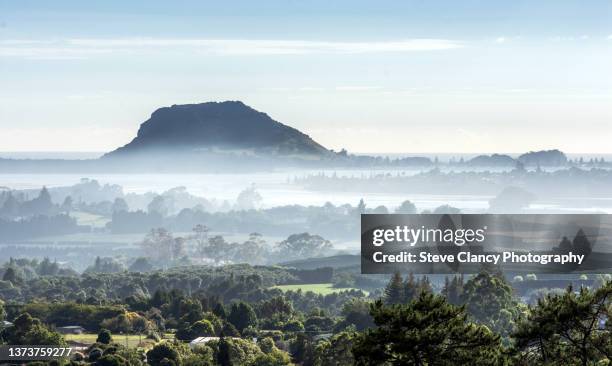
x,y
317,288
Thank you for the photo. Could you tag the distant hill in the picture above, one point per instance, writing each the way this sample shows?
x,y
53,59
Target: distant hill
x,y
218,127
497,160
231,136
543,158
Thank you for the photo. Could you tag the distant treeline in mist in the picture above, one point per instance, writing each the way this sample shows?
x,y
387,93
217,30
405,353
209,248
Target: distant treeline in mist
x,y
571,182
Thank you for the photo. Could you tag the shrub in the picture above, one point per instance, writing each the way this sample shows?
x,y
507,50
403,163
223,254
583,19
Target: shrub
x,y
161,352
104,337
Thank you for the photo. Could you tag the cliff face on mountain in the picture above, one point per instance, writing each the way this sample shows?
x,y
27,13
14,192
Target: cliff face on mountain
x,y
214,127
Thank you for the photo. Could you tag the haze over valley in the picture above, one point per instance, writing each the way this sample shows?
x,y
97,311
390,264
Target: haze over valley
x,y
236,170
306,183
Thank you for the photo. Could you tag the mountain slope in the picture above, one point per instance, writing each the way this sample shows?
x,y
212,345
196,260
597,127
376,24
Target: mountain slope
x,y
218,126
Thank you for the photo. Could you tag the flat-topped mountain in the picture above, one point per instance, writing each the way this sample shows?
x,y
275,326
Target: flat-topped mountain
x,y
212,127
231,136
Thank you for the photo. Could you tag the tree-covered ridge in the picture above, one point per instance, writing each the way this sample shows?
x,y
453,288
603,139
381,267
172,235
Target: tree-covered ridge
x,y
109,286
474,320
559,183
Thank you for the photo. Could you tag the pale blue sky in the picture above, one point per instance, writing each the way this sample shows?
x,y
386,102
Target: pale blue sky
x,y
403,76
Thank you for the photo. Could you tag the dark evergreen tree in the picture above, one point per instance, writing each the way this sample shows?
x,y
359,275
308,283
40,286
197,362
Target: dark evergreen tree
x,y
67,204
395,292
10,275
112,360
427,331
242,316
119,205
489,300
160,297
581,243
104,337
565,246
219,310
141,264
453,289
230,330
568,329
223,353
10,207
336,351
162,351
47,268
410,288
361,207
30,331
41,205
302,350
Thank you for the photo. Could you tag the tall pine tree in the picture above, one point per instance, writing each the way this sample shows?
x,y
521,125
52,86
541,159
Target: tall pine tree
x,y
568,329
427,331
394,292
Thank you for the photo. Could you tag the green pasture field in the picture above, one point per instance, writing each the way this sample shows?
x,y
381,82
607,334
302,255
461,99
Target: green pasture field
x,y
85,218
132,340
317,288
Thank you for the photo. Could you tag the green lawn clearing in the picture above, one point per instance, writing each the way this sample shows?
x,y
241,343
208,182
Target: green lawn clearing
x,y
85,218
132,340
317,288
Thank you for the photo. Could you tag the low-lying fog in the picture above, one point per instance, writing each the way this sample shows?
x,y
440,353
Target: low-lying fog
x,y
282,188
81,217
276,189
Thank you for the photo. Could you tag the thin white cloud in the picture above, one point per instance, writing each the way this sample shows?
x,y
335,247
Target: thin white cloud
x,y
233,46
22,42
584,37
311,89
610,37
357,88
85,48
51,53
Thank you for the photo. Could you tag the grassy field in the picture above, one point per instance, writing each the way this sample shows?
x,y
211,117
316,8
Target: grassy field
x,y
317,288
85,218
133,340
